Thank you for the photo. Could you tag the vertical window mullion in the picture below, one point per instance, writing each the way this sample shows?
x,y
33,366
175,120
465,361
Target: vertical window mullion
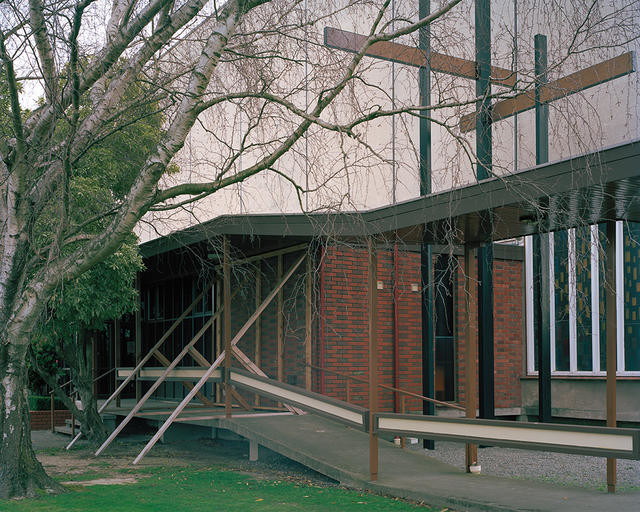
x,y
595,301
573,350
552,302
528,255
620,295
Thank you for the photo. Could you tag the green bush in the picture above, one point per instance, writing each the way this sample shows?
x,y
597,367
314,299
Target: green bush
x,y
43,403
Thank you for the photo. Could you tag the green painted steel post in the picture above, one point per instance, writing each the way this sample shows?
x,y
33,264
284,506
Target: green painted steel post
x,y
542,110
426,253
541,243
484,170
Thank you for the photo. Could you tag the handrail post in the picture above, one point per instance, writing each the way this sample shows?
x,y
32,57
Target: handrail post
x,y
227,327
348,390
73,418
53,422
372,264
403,440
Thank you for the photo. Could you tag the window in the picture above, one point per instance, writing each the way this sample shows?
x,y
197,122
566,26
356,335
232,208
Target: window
x,y
577,303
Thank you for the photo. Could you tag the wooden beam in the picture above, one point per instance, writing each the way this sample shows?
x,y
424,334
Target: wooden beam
x,y
165,362
258,328
138,339
212,339
116,354
307,323
222,357
412,56
252,367
157,383
218,335
240,399
158,344
372,306
470,355
570,84
280,325
611,342
227,327
269,254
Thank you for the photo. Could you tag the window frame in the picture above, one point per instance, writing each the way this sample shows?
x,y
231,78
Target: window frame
x,y
595,307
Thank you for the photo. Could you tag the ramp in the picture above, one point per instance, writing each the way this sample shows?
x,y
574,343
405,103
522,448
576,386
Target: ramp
x,y
341,453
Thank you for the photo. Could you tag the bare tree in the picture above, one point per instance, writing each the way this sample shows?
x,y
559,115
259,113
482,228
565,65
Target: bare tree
x,y
178,55
238,71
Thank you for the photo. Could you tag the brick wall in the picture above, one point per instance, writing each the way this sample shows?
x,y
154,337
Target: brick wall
x,y
340,292
508,329
346,325
293,322
41,420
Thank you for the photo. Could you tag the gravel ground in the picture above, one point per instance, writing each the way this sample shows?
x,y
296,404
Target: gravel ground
x,y
559,468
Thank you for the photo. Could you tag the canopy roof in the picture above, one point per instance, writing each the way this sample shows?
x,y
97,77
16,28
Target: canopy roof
x,y
585,189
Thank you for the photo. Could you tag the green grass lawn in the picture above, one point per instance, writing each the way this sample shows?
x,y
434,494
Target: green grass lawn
x,y
177,490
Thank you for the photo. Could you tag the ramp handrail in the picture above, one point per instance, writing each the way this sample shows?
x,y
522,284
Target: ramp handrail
x,y
386,387
218,360
552,437
336,409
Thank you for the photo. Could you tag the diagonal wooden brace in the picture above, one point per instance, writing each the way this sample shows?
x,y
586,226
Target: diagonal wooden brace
x,y
565,86
243,330
252,367
165,362
412,56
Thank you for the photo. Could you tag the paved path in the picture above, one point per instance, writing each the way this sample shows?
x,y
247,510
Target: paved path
x,y
342,454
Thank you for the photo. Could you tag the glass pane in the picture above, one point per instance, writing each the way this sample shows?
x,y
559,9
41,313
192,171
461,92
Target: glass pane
x,y
583,298
561,289
631,297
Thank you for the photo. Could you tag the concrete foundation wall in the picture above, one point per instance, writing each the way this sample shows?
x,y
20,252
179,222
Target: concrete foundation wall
x,y
583,398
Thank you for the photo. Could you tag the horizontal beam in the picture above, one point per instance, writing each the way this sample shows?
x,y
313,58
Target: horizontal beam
x,y
306,400
264,255
412,56
583,440
182,374
570,84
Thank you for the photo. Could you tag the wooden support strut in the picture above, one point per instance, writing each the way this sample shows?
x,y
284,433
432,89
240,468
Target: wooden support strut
x,y
161,379
307,323
252,367
280,326
145,359
373,357
258,329
204,363
165,362
570,84
471,450
611,342
243,330
227,329
138,340
149,355
157,383
412,56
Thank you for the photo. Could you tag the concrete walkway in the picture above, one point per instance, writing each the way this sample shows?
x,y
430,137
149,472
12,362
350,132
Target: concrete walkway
x,y
341,453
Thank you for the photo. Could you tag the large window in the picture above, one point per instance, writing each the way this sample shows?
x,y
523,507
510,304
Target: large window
x,y
577,302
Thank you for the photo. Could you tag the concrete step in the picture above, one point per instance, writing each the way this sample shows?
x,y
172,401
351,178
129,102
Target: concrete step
x,y
66,430
68,423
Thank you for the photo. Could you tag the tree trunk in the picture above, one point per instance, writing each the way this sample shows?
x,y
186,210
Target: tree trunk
x,y
81,362
21,474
